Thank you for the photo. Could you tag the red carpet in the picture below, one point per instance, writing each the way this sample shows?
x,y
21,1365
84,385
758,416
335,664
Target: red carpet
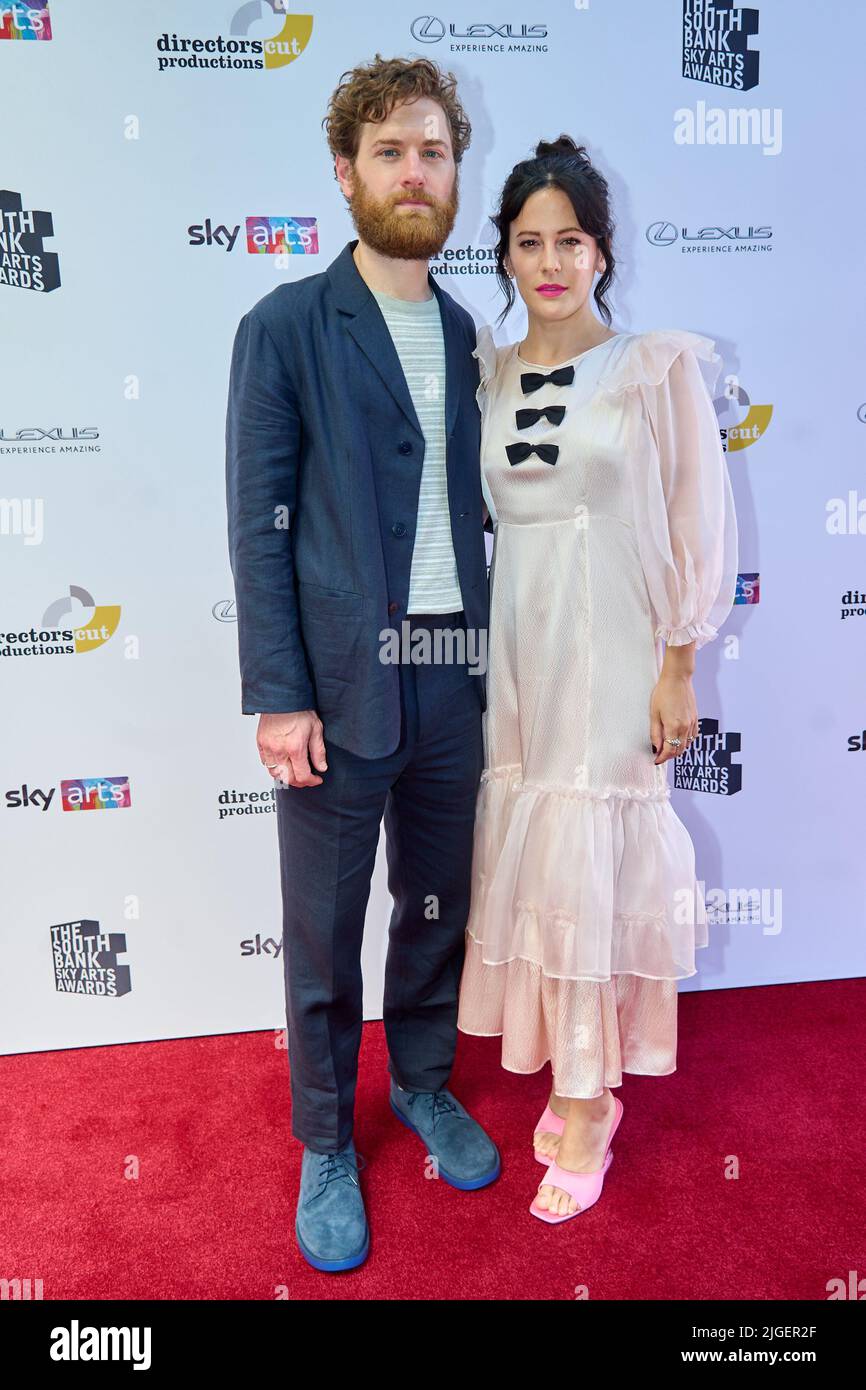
x,y
771,1076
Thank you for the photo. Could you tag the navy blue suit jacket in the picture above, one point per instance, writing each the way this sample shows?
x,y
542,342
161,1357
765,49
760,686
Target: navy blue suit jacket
x,y
323,463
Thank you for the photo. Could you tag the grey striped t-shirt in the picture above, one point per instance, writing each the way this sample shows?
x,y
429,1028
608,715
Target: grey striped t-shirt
x,y
416,330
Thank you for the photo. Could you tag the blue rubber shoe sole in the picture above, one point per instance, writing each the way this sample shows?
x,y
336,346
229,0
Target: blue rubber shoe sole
x,y
464,1184
332,1266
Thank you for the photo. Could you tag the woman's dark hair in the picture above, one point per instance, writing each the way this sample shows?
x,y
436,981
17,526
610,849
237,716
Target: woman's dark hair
x,y
558,164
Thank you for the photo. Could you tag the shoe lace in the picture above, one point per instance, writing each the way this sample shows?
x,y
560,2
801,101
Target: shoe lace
x,y
442,1104
339,1167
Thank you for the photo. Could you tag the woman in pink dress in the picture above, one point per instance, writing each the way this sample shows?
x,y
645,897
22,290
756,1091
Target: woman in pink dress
x,y
614,561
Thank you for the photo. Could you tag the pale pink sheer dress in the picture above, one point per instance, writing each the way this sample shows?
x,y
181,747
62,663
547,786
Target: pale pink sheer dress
x,y
585,905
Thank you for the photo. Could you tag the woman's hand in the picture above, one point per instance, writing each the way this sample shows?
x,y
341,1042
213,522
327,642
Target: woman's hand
x,y
673,714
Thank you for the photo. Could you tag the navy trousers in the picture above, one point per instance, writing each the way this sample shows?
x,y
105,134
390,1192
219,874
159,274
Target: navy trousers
x,y
328,836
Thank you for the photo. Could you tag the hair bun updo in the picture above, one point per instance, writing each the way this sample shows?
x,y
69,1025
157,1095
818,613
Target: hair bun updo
x,y
563,146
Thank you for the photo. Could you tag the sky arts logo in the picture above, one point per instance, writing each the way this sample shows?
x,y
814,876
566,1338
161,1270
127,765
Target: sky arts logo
x,y
90,626
24,262
25,22
95,794
266,236
748,588
85,960
259,946
76,793
242,54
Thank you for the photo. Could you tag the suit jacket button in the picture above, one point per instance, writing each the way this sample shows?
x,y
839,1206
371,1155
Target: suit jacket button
x,y
405,446
399,528
392,607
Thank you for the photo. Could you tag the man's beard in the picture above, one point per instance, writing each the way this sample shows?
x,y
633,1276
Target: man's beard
x,y
411,235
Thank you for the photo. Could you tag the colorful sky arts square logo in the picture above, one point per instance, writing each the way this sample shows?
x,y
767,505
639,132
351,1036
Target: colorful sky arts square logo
x,y
276,236
748,588
22,21
95,793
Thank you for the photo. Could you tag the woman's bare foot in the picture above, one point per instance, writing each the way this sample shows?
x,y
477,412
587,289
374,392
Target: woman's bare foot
x,y
545,1141
581,1148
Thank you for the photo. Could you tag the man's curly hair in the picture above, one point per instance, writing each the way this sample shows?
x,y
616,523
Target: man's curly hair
x,y
370,92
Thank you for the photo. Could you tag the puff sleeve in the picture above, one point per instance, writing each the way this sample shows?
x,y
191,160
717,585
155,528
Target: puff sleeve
x,y
683,501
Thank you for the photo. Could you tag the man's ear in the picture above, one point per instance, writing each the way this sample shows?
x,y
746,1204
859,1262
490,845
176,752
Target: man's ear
x,y
343,170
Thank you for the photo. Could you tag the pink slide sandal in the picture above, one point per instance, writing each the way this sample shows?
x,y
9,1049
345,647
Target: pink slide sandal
x,y
585,1188
552,1124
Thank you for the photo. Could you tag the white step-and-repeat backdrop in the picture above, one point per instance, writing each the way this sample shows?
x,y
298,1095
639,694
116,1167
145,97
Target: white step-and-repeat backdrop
x,y
163,166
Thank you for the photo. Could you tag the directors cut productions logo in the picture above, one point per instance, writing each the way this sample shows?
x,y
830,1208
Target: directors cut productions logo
x,y
23,21
240,53
85,960
716,44
24,262
94,629
753,423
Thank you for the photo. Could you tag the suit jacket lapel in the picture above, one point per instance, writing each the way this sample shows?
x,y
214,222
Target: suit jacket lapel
x,y
455,355
368,328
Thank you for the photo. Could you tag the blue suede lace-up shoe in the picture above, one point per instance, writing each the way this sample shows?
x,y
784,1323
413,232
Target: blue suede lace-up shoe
x,y
466,1156
331,1224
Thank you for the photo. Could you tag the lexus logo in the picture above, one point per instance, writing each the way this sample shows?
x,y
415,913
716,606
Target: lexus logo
x,y
224,611
661,234
427,29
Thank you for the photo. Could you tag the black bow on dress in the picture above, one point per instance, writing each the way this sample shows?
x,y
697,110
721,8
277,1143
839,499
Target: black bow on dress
x,y
518,452
525,418
531,381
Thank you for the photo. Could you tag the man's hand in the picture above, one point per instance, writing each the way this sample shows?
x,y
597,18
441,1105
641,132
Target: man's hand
x,y
284,743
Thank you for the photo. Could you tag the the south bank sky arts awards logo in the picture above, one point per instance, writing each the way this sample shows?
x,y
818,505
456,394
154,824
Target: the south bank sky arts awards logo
x,y
24,262
241,51
70,625
86,960
716,44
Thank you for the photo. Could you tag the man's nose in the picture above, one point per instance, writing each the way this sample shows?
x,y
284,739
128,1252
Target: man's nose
x,y
414,172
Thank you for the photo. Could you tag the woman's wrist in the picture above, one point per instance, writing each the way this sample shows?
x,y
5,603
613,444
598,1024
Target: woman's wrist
x,y
679,661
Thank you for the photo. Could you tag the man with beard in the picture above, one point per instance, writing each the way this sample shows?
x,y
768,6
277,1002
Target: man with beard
x,y
355,511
